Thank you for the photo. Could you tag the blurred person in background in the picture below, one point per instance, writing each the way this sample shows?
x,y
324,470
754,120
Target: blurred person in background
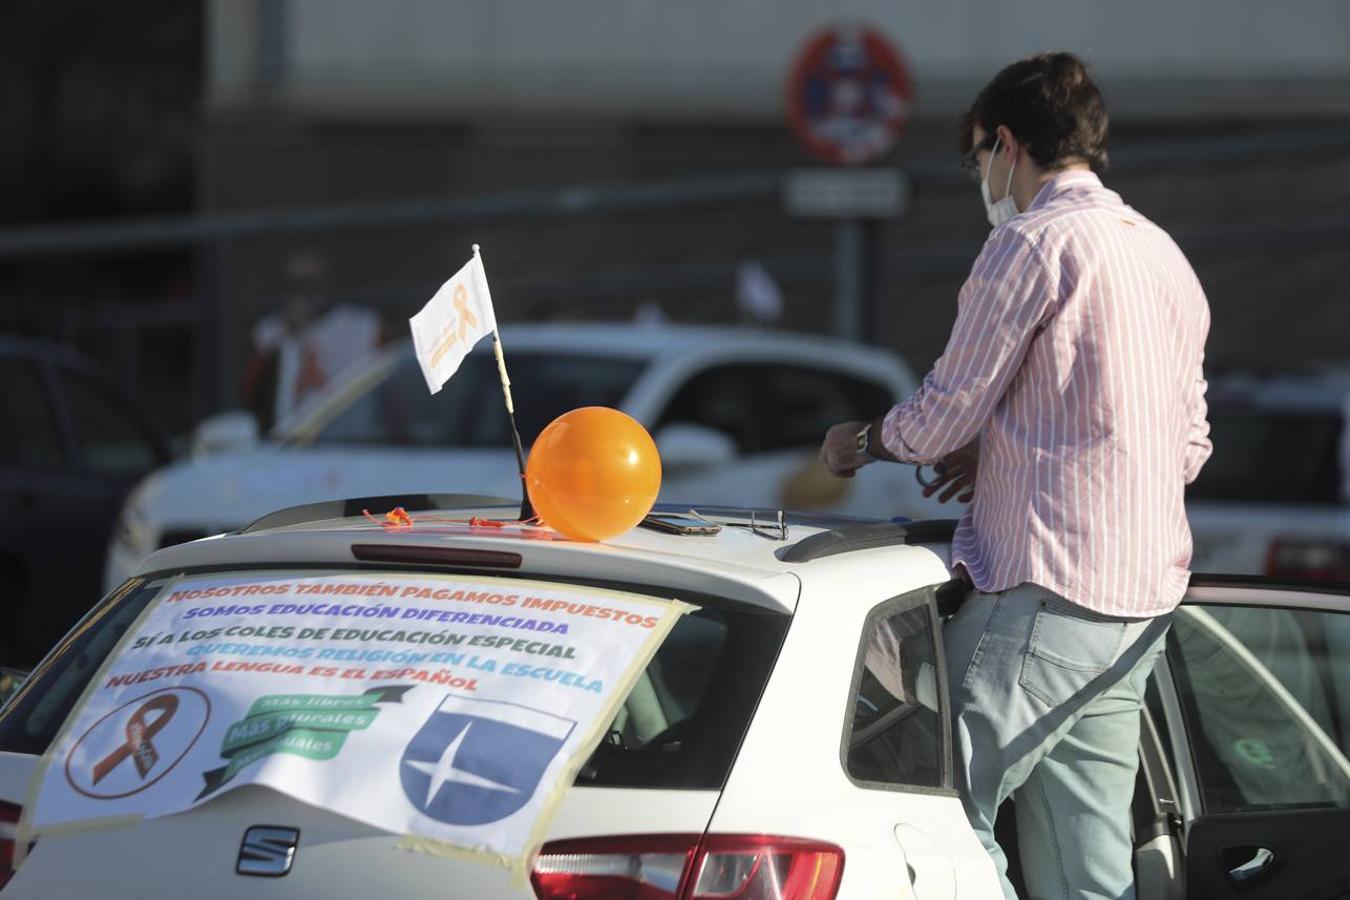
x,y
1070,403
302,348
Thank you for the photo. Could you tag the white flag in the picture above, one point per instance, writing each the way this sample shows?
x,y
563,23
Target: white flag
x,y
757,294
452,322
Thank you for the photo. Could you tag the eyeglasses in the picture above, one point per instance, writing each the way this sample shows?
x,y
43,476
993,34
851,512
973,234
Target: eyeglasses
x,y
970,162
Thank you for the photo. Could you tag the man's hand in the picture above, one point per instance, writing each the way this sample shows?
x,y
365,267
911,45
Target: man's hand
x,y
956,474
840,453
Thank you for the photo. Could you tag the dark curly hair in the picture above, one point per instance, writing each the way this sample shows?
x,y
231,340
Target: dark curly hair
x,y
1049,103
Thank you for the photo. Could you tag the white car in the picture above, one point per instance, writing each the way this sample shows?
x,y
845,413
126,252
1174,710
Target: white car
x,y
788,740
1275,497
738,415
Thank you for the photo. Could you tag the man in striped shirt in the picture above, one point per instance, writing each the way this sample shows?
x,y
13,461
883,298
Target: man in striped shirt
x,y
1069,403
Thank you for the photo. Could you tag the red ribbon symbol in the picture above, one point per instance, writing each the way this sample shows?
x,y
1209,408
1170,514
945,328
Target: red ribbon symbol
x,y
466,316
139,733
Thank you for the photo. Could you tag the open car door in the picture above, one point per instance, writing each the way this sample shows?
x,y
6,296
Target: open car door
x,y
1256,689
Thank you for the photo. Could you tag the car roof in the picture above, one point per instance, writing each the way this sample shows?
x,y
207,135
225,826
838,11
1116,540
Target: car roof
x,y
627,341
634,340
1313,390
756,565
31,348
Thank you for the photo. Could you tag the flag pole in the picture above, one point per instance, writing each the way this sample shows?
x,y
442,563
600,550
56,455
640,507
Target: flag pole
x,y
526,508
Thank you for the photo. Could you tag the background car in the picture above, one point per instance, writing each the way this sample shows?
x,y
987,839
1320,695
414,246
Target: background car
x,y
738,415
775,710
1275,497
71,445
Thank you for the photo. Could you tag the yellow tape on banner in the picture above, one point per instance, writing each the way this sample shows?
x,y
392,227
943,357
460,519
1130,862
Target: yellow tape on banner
x,y
674,609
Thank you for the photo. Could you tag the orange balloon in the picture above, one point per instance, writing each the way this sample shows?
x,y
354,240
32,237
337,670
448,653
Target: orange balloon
x,y
593,473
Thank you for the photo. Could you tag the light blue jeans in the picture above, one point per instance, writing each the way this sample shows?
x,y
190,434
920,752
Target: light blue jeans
x,y
1046,698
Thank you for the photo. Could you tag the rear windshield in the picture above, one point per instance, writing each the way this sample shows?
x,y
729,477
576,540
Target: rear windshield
x,y
679,727
684,719
467,411
1272,457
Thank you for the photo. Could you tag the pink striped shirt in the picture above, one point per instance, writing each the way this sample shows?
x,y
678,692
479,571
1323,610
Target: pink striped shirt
x,y
1076,360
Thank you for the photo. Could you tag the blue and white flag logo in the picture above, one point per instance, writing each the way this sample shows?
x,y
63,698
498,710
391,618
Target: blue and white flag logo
x,y
479,761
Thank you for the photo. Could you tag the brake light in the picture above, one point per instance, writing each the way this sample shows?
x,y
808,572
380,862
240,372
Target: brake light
x,y
436,556
9,827
681,867
1316,558
767,868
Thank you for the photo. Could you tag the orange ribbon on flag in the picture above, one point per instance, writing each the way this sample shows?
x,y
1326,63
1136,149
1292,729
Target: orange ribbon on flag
x,y
466,316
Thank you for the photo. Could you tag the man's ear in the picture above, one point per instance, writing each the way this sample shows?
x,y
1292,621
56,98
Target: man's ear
x,y
1008,142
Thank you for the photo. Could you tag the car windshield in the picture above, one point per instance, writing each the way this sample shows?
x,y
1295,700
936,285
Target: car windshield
x,y
679,726
1263,456
467,412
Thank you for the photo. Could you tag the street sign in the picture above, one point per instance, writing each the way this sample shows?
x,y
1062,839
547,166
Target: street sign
x,y
828,193
849,95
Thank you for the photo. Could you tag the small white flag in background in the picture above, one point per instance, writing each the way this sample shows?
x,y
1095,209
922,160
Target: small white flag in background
x,y
757,294
452,322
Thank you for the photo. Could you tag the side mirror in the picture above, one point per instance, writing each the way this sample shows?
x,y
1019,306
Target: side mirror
x,y
10,682
684,446
224,432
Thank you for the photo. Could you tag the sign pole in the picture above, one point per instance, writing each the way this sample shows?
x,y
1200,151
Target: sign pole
x,y
879,322
849,98
526,508
850,302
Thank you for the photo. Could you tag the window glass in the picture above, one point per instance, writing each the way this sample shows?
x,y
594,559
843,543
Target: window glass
x,y
1268,457
29,439
895,730
768,406
681,725
110,440
31,722
723,398
807,402
468,411
1266,697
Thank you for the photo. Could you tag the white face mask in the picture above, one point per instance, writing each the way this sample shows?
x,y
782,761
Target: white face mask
x,y
1006,208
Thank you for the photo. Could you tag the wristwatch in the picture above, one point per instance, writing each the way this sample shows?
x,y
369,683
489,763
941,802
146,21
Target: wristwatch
x,y
864,438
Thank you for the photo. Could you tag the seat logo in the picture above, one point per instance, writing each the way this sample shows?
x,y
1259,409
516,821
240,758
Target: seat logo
x,y
138,743
479,761
267,851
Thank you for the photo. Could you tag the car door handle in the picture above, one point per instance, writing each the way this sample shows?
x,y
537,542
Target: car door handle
x,y
1260,862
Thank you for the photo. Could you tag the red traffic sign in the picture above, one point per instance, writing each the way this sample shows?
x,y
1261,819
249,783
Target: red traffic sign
x,y
849,95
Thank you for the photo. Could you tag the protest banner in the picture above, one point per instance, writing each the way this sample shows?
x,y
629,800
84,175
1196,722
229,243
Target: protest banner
x,y
451,709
